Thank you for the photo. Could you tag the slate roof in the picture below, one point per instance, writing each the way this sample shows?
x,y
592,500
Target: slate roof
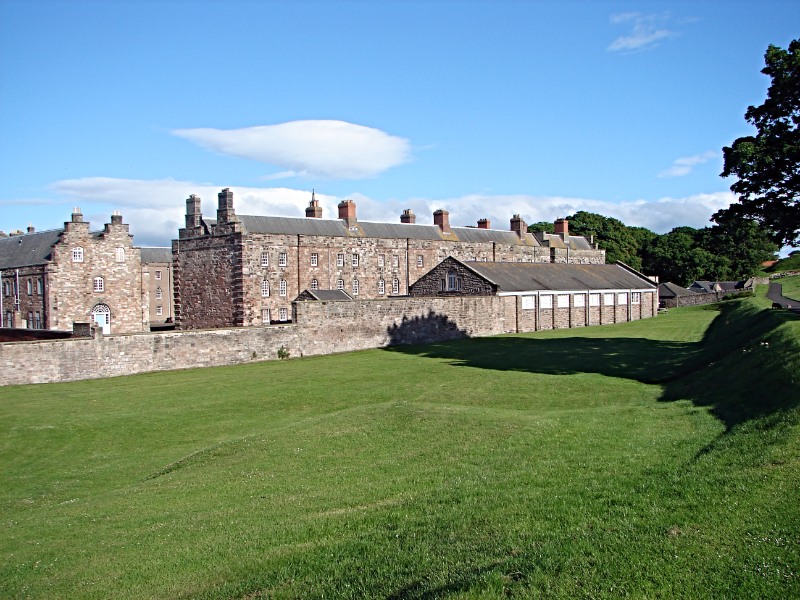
x,y
521,277
28,249
329,295
670,290
577,242
156,255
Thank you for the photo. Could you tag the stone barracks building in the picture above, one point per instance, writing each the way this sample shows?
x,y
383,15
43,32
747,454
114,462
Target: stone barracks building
x,y
547,296
242,270
52,279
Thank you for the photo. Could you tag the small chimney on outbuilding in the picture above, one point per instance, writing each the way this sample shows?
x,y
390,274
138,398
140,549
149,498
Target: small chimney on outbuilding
x,y
484,224
408,216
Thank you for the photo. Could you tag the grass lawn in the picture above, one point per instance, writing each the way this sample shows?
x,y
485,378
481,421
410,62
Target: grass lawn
x,y
791,287
653,459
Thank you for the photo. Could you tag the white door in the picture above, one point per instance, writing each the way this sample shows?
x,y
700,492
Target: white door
x,y
101,315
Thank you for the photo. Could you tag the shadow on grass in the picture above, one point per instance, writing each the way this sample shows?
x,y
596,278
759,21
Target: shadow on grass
x,y
728,369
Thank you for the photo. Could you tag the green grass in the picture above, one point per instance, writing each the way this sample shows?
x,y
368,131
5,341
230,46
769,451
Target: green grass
x,y
790,263
654,459
791,287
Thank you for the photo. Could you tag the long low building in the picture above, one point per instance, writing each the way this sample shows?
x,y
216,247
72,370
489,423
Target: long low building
x,y
548,296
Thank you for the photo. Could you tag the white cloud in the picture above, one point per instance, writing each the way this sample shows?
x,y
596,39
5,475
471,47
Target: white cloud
x,y
155,208
683,166
313,149
644,34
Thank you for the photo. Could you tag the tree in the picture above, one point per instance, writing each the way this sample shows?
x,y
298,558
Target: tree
x,y
676,256
545,226
768,164
612,235
743,242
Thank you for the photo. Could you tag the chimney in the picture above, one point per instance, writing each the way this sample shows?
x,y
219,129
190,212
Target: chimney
x,y
519,226
225,212
408,216
77,217
3,234
116,218
347,212
484,224
442,218
562,229
193,213
314,210
30,228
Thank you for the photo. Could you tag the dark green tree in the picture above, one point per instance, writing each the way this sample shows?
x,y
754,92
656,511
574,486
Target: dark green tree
x,y
677,257
744,242
612,235
768,164
545,226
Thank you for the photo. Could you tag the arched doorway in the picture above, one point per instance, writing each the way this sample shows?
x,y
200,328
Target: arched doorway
x,y
101,315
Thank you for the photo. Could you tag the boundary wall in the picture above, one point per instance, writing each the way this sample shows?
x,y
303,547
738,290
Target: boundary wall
x,y
695,299
318,328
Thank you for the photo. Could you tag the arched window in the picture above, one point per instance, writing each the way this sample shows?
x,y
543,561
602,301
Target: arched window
x,y
99,284
39,286
265,289
158,293
30,287
119,255
283,287
381,287
355,284
77,255
314,284
395,286
339,284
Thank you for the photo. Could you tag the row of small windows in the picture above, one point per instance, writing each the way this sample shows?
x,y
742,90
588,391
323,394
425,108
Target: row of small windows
x,y
77,254
33,286
579,300
265,287
354,260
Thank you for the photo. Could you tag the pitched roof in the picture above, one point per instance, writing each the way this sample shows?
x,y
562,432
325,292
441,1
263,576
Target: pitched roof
x,y
28,249
156,255
328,295
670,290
520,277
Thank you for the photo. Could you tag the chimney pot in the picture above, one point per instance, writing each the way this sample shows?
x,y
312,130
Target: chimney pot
x,y
347,212
77,217
484,224
408,216
442,218
30,228
116,218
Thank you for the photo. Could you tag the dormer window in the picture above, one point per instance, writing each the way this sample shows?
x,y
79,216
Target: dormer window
x,y
77,255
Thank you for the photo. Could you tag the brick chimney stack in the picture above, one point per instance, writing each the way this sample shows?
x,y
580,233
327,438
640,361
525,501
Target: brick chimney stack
x,y
30,228
225,212
562,229
347,212
484,224
442,218
519,226
77,217
193,213
408,216
116,223
314,210
116,218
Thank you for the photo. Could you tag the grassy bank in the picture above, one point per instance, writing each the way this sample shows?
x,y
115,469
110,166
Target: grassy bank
x,y
652,459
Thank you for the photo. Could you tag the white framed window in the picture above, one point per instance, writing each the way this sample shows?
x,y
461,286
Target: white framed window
x,y
159,310
159,293
594,299
340,260
339,284
355,287
282,259
283,287
264,260
395,260
119,255
314,284
265,316
420,261
284,312
395,286
381,259
265,289
636,297
381,287
563,301
528,302
355,260
30,287
483,259
579,300
314,259
158,275
608,299
546,301
99,284
77,255
623,298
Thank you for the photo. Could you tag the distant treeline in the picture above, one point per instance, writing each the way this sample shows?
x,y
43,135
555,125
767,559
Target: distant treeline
x,y
730,250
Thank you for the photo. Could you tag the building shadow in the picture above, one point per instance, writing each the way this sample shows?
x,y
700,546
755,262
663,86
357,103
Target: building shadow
x,y
423,330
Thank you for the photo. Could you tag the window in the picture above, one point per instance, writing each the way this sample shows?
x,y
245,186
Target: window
x,y
284,314
77,255
444,285
395,260
355,260
265,316
528,302
381,287
380,260
563,301
451,281
355,287
159,293
30,287
283,287
159,310
420,261
579,300
119,255
99,285
608,299
636,298
265,289
339,284
314,284
546,301
483,259
314,259
340,260
30,320
623,298
6,289
282,259
395,286
37,320
594,299
264,260
158,275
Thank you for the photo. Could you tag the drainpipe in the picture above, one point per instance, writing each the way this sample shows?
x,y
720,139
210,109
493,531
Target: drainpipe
x,y
408,280
16,295
2,314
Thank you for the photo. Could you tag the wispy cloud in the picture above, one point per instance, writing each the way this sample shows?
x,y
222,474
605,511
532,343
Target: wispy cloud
x,y
313,149
155,208
645,33
29,202
281,175
683,166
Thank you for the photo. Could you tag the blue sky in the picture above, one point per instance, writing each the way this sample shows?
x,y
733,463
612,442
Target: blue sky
x,y
485,109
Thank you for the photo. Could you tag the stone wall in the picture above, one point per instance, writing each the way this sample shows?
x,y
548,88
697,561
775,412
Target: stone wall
x,y
696,299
